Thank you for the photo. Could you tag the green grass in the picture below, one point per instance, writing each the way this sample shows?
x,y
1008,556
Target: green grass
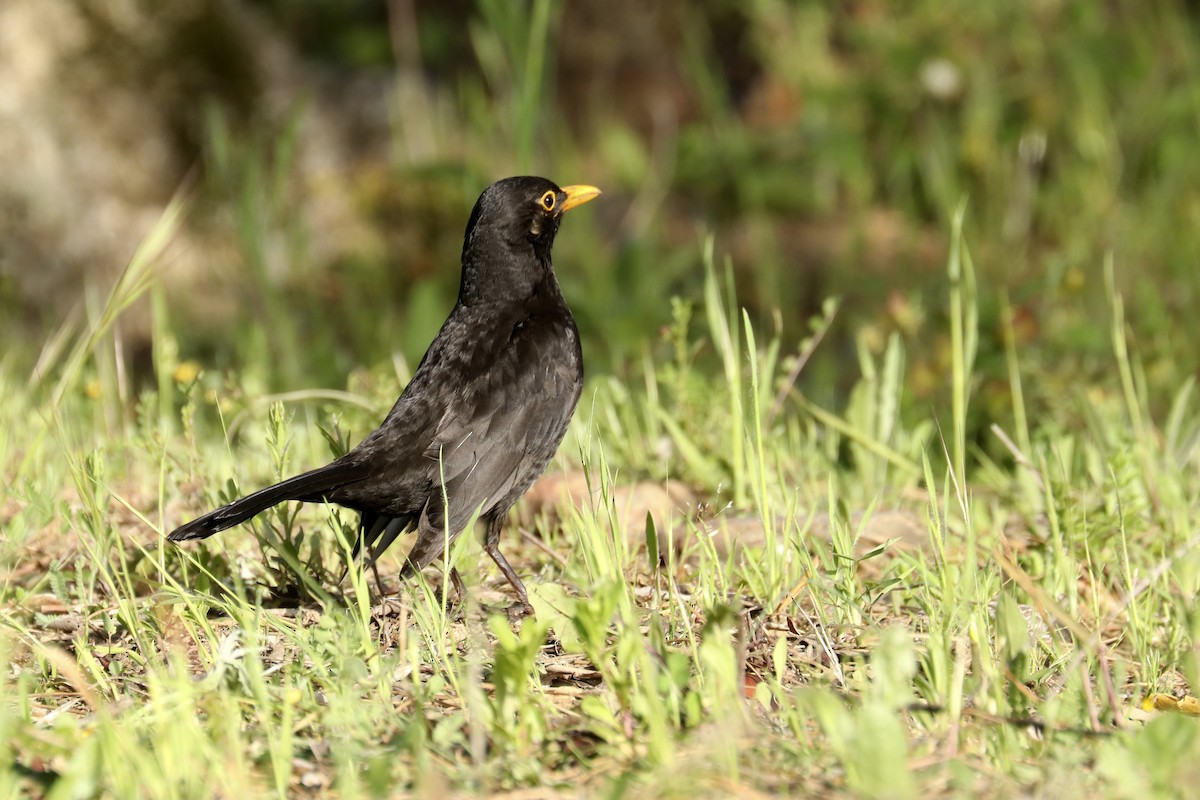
x,y
1070,133
941,500
1004,644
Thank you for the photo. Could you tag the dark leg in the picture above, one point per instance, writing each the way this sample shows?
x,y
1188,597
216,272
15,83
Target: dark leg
x,y
369,527
378,579
410,569
375,533
491,546
454,605
459,588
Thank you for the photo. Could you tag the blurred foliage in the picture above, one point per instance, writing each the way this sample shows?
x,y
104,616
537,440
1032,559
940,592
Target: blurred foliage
x,y
825,145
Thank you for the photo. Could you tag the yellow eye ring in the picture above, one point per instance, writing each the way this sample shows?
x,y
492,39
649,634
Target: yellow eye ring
x,y
548,200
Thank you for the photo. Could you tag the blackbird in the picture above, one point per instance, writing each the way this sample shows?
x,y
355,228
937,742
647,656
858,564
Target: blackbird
x,y
485,410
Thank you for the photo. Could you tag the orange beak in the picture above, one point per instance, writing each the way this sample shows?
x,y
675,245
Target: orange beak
x,y
577,196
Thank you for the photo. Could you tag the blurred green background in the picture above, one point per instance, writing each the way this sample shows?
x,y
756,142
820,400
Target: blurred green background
x,y
332,151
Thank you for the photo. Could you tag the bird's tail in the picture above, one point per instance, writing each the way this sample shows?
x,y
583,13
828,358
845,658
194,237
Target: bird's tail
x,y
311,486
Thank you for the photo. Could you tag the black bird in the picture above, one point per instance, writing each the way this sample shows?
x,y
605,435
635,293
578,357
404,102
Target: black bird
x,y
485,410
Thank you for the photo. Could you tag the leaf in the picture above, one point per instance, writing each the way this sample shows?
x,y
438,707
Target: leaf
x,y
553,606
652,553
1012,627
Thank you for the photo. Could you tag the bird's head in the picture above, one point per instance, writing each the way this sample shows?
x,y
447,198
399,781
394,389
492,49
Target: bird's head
x,y
511,231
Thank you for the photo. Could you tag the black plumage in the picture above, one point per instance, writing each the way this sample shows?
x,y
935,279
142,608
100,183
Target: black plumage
x,y
485,410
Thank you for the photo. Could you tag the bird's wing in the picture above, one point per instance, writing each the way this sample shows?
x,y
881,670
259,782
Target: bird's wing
x,y
486,408
518,412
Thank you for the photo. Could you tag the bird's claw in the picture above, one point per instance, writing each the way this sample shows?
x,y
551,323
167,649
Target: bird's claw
x,y
518,611
387,607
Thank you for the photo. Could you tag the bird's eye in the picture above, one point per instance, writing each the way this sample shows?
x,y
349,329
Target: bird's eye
x,y
548,200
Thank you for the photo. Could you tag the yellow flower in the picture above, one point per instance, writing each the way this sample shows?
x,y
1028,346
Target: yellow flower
x,y
186,372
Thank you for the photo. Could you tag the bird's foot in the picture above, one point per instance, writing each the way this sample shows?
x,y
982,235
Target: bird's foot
x,y
518,611
390,606
455,606
394,605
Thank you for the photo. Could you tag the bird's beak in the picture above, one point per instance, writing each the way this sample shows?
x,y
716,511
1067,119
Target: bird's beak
x,y
577,196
